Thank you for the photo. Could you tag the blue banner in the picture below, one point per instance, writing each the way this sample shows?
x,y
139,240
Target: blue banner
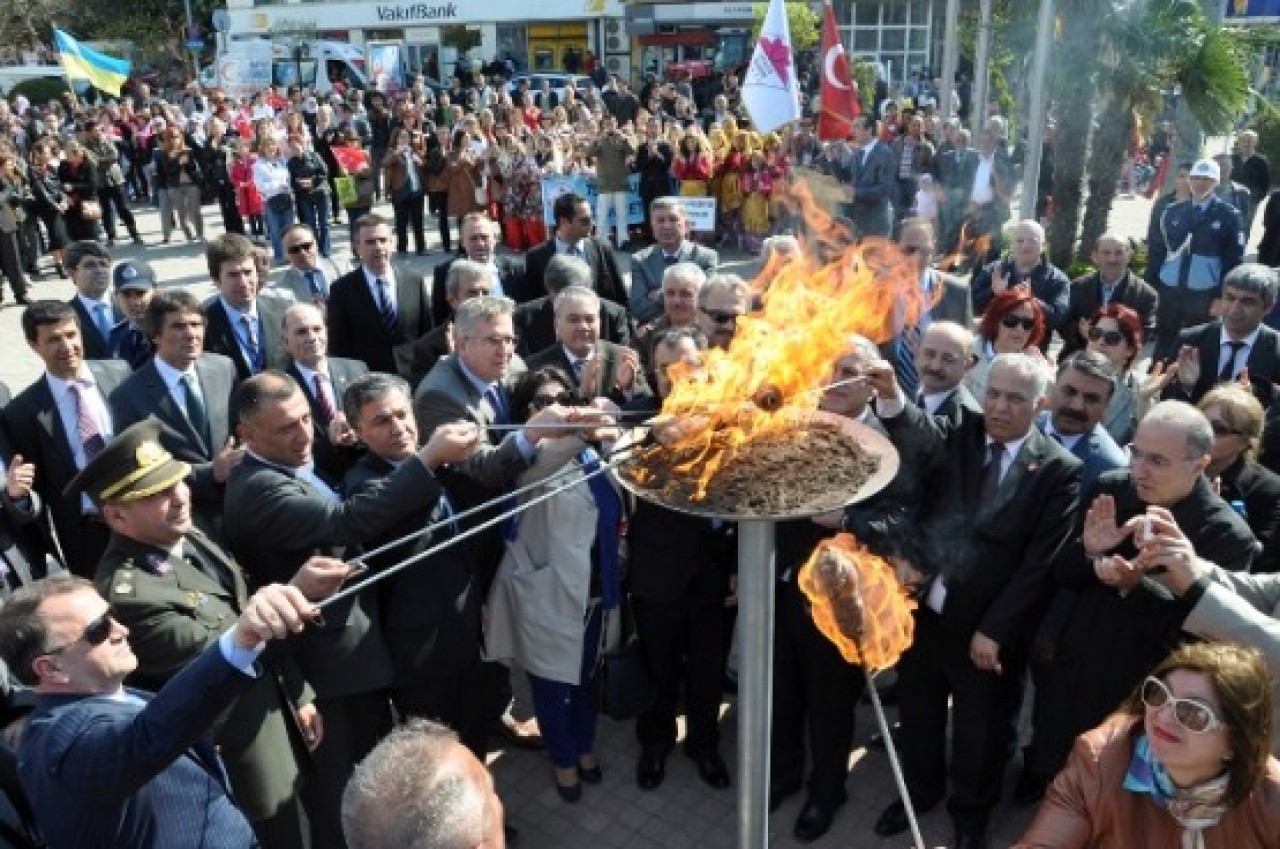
x,y
1248,9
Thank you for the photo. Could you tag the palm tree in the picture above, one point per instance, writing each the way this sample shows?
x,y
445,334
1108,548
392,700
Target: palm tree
x,y
1150,48
1074,69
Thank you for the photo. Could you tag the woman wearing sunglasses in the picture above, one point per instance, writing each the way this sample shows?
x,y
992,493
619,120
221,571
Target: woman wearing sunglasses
x,y
560,581
1185,763
1236,417
1116,332
1013,324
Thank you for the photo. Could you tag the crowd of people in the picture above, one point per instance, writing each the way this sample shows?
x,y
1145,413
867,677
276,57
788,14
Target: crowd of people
x,y
188,481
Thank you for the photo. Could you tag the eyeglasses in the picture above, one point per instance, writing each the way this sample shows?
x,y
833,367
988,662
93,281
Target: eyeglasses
x,y
1012,321
1108,337
722,317
496,341
300,247
94,634
1193,715
541,402
1223,429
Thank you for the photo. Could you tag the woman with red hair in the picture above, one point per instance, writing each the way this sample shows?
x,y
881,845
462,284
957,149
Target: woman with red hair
x,y
1013,323
1115,331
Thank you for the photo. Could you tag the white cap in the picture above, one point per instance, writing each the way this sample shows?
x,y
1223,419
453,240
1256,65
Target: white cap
x,y
1206,168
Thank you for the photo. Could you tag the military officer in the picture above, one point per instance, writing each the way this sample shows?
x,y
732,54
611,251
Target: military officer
x,y
177,592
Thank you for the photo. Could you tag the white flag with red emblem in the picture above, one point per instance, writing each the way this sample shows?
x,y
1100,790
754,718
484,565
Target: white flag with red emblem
x,y
839,92
769,91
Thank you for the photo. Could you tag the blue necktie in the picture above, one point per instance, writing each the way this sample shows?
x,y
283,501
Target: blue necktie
x,y
908,377
103,320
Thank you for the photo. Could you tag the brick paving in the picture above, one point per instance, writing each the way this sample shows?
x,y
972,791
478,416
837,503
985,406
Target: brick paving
x,y
683,812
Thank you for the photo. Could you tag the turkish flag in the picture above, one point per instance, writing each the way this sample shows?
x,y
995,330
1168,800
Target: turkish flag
x,y
840,104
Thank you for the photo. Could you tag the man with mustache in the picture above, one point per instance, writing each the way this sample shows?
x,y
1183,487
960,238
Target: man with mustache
x,y
1078,403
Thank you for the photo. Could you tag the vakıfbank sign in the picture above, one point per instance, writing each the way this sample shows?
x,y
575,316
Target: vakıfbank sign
x,y
413,13
376,15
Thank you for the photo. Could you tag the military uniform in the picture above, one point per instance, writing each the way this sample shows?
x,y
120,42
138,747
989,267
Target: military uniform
x,y
176,603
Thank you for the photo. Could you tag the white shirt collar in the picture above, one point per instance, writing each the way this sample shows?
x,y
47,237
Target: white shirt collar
x,y
61,385
309,374
236,313
1248,340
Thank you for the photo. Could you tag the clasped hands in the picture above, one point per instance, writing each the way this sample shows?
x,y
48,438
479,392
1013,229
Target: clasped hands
x,y
1164,552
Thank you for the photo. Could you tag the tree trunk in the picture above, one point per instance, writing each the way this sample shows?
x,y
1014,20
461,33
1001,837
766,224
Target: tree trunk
x,y
1072,109
1106,158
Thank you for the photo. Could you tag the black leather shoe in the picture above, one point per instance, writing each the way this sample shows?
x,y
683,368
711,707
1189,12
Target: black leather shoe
x,y
970,840
650,771
711,770
894,819
1030,788
595,775
813,822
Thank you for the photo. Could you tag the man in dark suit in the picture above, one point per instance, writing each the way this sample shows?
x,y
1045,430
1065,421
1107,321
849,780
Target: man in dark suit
x,y
998,514
378,306
135,284
672,245
944,355
1112,283
479,239
1110,640
1027,264
59,423
872,182
1235,343
309,276
679,582
239,324
815,690
278,513
595,367
108,765
190,392
681,285
323,379
21,549
431,613
89,265
465,280
572,237
942,298
535,321
956,169
175,590
1078,402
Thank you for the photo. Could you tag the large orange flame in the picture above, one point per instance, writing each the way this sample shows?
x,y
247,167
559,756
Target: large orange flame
x,y
810,308
857,602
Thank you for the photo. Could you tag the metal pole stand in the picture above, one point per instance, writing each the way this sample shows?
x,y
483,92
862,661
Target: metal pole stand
x,y
756,552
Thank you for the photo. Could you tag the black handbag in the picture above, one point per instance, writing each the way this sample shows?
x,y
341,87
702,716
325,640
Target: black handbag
x,y
623,688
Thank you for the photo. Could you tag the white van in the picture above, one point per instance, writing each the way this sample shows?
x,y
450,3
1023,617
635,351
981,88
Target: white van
x,y
309,63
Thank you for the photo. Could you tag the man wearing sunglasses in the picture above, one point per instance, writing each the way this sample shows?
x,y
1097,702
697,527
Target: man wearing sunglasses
x,y
112,766
309,275
1109,641
722,300
1112,283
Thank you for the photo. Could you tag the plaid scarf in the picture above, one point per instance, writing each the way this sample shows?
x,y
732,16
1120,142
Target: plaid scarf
x,y
1195,808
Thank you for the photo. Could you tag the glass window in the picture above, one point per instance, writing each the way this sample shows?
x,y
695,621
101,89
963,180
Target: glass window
x,y
894,40
866,40
866,14
894,13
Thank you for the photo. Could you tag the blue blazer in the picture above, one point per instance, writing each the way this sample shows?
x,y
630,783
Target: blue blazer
x,y
136,773
1097,450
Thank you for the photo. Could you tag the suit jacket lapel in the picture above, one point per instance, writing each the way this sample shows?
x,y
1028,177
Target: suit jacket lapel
x,y
51,420
206,547
1028,460
166,408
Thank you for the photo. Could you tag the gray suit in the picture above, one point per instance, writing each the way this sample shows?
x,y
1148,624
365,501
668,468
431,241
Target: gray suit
x,y
952,303
292,284
145,394
1241,608
647,268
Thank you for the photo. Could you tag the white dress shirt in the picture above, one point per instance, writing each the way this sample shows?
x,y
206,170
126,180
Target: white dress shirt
x,y
65,400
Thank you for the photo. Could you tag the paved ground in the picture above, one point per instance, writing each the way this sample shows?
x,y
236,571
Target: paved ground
x,y
683,812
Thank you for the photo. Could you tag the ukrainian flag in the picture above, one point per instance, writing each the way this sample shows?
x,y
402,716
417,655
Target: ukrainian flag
x,y
82,63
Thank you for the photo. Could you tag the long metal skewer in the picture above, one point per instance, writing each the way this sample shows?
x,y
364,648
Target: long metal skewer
x,y
892,749
480,508
382,574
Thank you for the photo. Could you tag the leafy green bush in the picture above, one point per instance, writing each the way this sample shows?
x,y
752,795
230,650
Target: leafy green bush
x,y
41,90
